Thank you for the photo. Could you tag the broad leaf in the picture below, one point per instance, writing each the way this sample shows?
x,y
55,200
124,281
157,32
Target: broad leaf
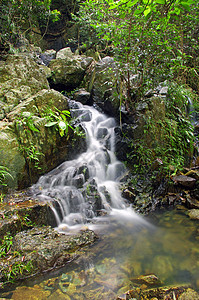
x,y
147,11
160,1
32,127
49,124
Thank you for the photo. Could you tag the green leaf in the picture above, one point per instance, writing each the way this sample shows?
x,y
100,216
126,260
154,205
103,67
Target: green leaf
x,y
130,3
66,112
49,124
185,5
147,11
138,11
32,127
160,1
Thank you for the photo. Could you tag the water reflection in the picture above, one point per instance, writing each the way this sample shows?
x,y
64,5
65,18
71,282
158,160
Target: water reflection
x,y
127,248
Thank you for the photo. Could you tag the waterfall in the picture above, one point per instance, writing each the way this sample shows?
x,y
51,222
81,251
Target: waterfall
x,y
191,111
81,189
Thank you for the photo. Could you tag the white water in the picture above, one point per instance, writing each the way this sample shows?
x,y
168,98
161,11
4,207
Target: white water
x,y
82,187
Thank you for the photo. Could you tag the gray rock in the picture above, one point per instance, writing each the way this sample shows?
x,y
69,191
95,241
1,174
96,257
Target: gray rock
x,y
185,181
85,63
67,71
82,96
64,53
164,90
103,85
47,56
47,248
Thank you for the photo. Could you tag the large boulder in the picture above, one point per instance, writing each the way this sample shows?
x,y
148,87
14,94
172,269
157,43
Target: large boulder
x,y
20,77
104,85
68,70
42,249
10,155
27,147
28,153
39,103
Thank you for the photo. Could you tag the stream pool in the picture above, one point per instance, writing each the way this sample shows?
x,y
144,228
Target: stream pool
x,y
165,243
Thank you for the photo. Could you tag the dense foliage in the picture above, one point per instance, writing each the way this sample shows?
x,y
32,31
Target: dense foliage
x,y
156,38
21,17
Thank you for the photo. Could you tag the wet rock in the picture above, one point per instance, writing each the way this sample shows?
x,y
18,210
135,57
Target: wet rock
x,y
194,214
17,215
82,96
81,115
102,132
149,280
189,295
184,180
78,181
28,292
47,249
58,295
160,293
162,265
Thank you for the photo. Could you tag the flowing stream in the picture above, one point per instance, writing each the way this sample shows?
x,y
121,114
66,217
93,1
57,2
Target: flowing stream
x,y
84,187
85,191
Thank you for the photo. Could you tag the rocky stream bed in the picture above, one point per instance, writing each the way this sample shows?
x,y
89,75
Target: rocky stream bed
x,y
151,258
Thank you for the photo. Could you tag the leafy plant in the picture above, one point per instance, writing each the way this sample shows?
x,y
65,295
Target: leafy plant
x,y
25,128
4,174
27,120
27,221
19,267
59,120
6,245
148,37
168,142
20,17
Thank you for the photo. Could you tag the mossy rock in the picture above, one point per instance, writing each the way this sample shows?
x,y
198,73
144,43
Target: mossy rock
x,y
20,77
66,71
10,156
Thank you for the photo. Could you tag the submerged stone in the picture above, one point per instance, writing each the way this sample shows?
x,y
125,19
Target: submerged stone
x,y
149,280
30,293
194,214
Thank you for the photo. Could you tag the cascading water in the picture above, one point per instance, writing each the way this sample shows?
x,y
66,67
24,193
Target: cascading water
x,y
83,187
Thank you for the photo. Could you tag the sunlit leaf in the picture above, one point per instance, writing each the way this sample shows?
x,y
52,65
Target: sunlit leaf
x,y
147,11
49,124
62,125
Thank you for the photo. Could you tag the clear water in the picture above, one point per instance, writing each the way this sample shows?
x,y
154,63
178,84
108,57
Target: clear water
x,y
130,246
